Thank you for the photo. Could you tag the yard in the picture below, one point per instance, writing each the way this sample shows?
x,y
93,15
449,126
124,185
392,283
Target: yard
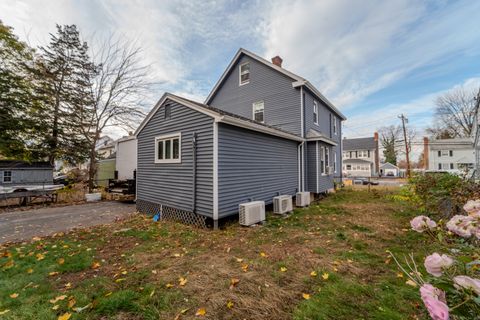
x,y
329,261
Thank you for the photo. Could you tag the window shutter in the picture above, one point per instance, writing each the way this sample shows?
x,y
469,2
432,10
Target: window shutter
x,y
368,152
451,153
439,154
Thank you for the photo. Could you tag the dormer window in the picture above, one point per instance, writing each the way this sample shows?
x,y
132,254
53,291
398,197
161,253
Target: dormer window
x,y
244,73
315,112
258,111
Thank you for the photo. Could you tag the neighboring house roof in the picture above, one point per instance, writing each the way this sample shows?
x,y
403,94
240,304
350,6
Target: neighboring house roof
x,y
361,161
220,116
456,143
298,81
388,165
359,144
18,164
313,135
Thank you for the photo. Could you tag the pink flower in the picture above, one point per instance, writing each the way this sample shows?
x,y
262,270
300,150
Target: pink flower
x,y
467,283
461,225
435,302
422,223
435,263
472,207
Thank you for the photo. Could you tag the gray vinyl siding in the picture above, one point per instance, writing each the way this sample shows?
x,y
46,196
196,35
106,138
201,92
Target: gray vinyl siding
x,y
253,166
281,100
28,176
171,184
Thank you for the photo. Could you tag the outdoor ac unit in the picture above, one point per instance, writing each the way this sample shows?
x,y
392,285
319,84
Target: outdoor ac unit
x,y
330,170
251,212
303,199
282,204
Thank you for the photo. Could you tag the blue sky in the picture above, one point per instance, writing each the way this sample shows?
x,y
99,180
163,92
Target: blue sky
x,y
373,59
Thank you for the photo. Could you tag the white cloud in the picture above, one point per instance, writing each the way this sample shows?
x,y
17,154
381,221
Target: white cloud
x,y
351,49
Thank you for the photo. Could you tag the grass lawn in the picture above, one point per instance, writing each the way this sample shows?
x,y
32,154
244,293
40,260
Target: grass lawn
x,y
328,261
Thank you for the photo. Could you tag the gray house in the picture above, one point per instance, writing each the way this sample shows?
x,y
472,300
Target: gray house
x,y
14,173
361,157
262,131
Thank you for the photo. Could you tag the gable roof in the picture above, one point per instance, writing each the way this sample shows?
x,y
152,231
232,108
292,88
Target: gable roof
x,y
359,144
314,135
388,165
297,80
19,164
219,116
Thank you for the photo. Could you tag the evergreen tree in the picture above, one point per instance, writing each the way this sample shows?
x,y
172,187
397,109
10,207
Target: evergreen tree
x,y
64,73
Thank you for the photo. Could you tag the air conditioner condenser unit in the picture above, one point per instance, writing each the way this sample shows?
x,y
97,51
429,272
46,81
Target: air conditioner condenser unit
x,y
251,212
282,204
302,199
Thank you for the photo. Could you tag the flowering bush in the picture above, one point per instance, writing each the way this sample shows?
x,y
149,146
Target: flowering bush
x,y
451,287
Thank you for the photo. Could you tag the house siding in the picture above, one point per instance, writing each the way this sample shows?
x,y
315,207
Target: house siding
x,y
170,184
281,100
325,182
311,166
28,176
253,166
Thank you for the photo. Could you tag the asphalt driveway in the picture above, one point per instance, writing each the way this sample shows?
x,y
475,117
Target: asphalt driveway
x,y
24,225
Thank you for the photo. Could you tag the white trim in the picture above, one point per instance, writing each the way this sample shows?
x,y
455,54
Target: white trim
x,y
301,112
303,166
335,129
215,170
11,176
322,160
316,166
299,168
263,110
170,137
335,165
240,74
179,100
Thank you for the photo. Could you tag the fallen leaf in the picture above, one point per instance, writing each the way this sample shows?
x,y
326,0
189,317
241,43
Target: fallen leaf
x,y
108,294
387,261
58,299
40,256
120,280
169,285
306,296
234,282
71,302
80,309
96,265
152,293
53,273
61,261
313,274
55,307
229,304
325,276
14,295
245,267
4,312
177,255
399,275
65,316
263,254
154,271
201,312
68,285
239,259
30,270
335,269
283,269
182,281
124,272
411,283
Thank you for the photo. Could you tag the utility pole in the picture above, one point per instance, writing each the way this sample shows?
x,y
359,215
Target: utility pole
x,y
405,120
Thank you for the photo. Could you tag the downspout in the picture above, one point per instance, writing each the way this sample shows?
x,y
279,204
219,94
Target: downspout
x,y
301,153
194,173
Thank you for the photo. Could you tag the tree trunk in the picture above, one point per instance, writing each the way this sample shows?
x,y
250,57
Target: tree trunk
x,y
92,168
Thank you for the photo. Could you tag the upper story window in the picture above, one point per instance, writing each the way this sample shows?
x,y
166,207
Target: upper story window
x,y
335,161
244,73
258,111
334,119
445,153
7,176
346,154
363,154
315,112
168,148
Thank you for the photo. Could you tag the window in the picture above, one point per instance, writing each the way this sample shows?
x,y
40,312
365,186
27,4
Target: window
x,y
7,176
443,153
335,161
258,111
451,166
315,112
349,167
322,160
244,73
439,166
334,124
327,159
451,153
168,149
346,154
168,111
363,154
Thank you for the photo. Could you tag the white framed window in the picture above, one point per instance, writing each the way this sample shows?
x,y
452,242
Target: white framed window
x,y
244,73
346,154
334,124
349,167
326,160
443,153
7,176
315,112
168,148
363,154
258,111
335,161
322,160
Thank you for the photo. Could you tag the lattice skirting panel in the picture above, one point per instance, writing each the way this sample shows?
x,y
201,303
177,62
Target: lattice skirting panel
x,y
171,214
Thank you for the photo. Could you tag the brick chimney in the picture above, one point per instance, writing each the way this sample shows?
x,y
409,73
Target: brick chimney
x,y
277,61
377,154
425,153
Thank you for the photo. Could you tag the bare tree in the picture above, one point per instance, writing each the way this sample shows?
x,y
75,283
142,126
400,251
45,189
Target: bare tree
x,y
455,112
118,91
391,139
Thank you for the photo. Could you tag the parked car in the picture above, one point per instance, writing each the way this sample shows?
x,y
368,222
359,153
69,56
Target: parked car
x,y
365,181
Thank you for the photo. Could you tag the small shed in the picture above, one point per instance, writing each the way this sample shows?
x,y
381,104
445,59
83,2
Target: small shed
x,y
389,170
16,172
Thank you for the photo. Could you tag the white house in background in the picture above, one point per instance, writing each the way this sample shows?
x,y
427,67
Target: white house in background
x,y
450,155
389,170
126,163
361,157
